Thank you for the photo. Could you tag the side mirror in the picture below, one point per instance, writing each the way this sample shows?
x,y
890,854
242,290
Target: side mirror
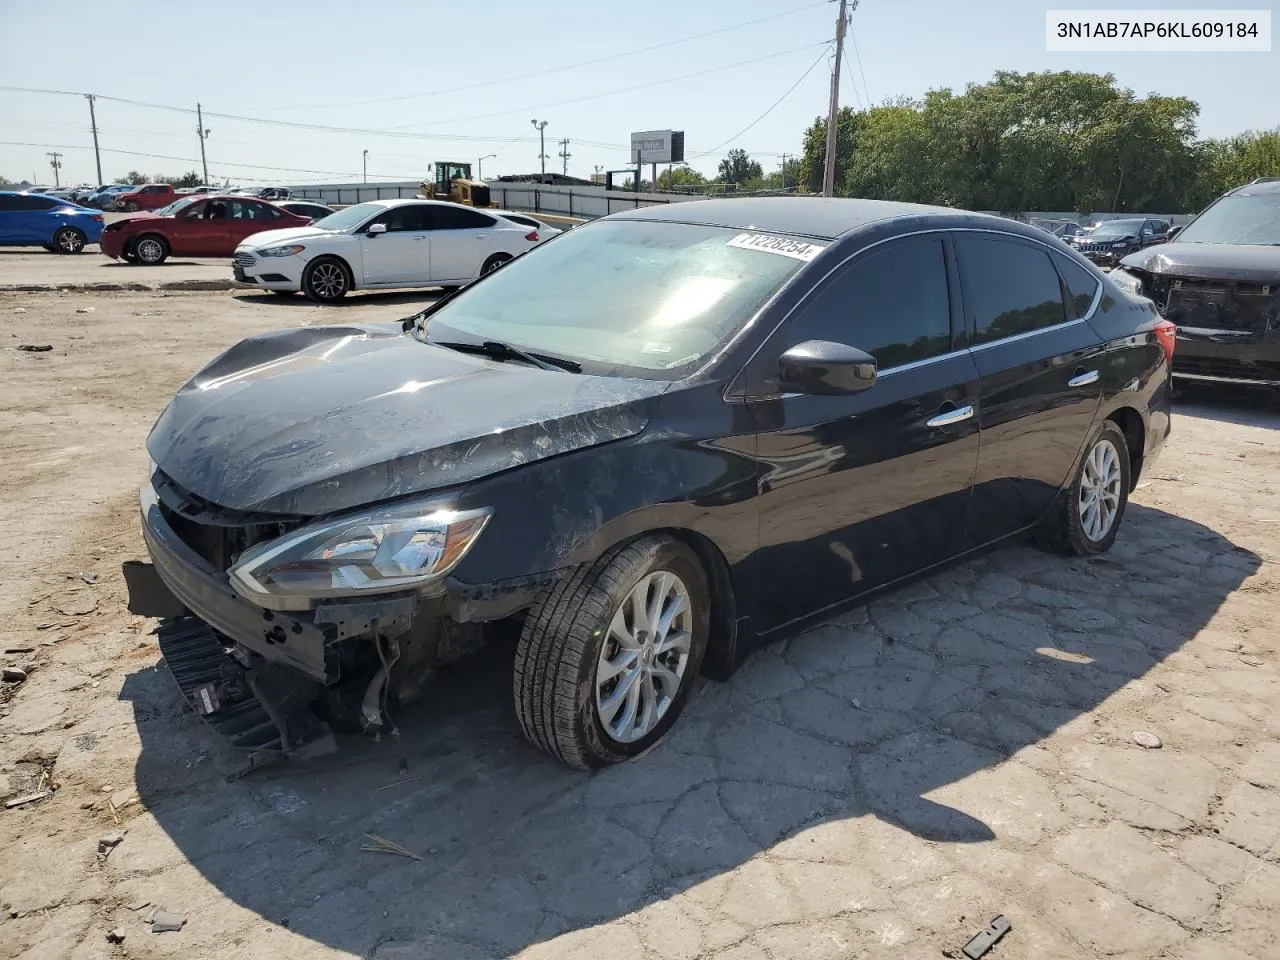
x,y
1173,232
377,228
824,368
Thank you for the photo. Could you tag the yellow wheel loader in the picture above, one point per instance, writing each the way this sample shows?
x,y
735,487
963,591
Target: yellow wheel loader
x,y
453,182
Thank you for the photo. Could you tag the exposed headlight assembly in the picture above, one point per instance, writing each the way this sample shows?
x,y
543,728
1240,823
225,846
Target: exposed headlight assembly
x,y
1127,281
292,250
380,551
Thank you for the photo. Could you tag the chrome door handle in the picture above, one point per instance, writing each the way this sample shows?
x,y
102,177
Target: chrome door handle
x,y
1083,379
958,415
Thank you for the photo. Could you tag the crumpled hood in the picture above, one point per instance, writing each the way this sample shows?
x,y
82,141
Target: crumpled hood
x,y
313,421
1250,263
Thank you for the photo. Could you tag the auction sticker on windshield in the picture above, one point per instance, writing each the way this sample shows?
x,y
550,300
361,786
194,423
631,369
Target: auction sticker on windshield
x,y
769,243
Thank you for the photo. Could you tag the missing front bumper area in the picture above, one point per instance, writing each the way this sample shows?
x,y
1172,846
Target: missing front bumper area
x,y
265,711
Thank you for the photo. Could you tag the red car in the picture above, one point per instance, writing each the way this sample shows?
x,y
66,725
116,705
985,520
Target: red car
x,y
193,227
149,196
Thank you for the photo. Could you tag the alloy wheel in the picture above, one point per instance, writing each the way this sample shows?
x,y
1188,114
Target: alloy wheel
x,y
149,250
1100,490
70,241
643,656
328,280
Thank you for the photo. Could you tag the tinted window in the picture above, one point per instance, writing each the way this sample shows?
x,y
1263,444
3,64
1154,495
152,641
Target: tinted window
x,y
1009,287
458,218
32,202
413,216
249,210
891,302
523,221
1082,286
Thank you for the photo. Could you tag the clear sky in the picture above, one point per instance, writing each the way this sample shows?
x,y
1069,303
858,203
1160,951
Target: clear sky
x,y
415,82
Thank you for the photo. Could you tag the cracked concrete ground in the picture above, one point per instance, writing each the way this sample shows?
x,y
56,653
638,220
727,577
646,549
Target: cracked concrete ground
x,y
881,786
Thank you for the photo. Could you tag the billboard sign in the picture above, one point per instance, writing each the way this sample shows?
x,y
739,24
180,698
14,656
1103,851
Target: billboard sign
x,y
658,146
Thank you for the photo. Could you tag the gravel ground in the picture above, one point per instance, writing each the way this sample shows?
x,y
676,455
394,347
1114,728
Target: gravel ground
x,y
882,786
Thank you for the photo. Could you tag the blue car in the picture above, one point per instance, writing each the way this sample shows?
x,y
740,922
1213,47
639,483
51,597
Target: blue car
x,y
34,220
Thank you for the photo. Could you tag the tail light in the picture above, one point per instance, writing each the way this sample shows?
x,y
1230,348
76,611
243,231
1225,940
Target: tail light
x,y
532,236
97,216
1167,333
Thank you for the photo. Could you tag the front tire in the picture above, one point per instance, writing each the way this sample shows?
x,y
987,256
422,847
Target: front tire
x,y
68,240
1088,519
151,249
131,206
326,280
610,653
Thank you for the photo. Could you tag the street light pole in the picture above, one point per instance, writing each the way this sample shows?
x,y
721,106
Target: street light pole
x,y
542,139
480,164
365,160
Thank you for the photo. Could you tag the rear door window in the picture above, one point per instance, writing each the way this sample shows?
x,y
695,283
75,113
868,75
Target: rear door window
x,y
458,218
1010,287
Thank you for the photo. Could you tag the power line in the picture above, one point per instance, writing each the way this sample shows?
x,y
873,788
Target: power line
x,y
853,84
857,56
774,106
568,66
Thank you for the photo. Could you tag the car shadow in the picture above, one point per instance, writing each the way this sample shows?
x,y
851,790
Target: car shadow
x,y
890,715
357,299
124,264
1227,403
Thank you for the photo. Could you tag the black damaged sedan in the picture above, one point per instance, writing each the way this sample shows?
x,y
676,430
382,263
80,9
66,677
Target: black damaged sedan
x,y
646,448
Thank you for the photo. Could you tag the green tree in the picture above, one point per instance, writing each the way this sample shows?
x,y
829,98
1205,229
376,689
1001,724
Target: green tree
x,y
1232,161
738,167
135,177
679,177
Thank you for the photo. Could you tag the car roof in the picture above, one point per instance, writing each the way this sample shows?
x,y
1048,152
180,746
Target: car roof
x,y
1258,188
824,218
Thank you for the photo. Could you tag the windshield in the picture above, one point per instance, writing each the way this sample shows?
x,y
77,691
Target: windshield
x,y
1118,228
1252,220
350,217
631,298
170,209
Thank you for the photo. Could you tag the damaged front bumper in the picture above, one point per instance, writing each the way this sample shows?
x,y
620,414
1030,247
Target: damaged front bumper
x,y
369,654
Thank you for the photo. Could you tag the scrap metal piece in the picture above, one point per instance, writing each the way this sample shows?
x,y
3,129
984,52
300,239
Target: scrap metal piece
x,y
984,941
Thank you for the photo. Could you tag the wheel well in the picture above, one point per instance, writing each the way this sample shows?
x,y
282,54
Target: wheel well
x,y
722,643
1130,423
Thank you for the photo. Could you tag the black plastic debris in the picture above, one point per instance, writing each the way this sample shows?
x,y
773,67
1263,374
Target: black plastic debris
x,y
988,938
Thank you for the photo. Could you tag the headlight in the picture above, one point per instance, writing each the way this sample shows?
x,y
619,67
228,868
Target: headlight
x,y
377,552
289,251
1127,281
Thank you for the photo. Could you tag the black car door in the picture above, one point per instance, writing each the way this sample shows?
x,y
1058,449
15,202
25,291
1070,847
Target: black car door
x,y
1041,379
857,490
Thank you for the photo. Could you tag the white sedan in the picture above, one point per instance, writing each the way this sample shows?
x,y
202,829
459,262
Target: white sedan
x,y
381,245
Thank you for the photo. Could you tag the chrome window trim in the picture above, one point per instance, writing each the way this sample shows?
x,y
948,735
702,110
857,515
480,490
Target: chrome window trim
x,y
914,364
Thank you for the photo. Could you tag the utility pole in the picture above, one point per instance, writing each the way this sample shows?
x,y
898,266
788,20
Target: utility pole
x,y
784,170
93,124
203,134
542,139
55,163
829,167
565,155
364,159
480,164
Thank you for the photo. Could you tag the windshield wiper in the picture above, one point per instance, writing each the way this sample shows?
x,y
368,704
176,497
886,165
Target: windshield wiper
x,y
502,351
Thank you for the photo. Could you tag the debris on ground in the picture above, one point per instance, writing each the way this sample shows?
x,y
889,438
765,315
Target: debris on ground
x,y
89,578
28,798
35,347
1146,740
984,941
108,843
379,844
78,603
84,309
162,921
14,674
115,936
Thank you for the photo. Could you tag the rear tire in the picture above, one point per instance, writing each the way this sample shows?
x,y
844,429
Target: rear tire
x,y
326,280
151,249
597,634
494,262
68,240
1087,518
131,206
